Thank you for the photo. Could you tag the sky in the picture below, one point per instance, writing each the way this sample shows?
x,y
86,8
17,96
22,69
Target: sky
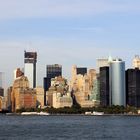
x,y
67,32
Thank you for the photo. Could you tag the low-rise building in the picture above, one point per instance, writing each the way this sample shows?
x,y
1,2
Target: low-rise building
x,y
58,95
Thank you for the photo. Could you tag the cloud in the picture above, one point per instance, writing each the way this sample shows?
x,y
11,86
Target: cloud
x,y
12,9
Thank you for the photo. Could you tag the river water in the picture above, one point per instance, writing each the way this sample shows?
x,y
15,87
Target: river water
x,y
69,127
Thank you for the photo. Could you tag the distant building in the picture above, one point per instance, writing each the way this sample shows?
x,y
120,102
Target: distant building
x,y
2,79
133,87
1,91
1,98
22,96
17,73
9,99
40,96
104,86
136,62
81,86
58,95
52,71
102,62
117,82
30,59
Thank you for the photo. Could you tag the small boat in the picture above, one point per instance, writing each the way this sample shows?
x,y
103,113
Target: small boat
x,y
29,113
43,113
97,113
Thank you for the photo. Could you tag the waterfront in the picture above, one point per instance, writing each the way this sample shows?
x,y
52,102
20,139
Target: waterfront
x,y
69,127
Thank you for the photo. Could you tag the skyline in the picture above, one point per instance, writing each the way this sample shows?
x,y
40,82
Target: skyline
x,y
96,28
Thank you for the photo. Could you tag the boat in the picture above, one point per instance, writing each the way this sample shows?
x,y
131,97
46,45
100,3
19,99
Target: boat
x,y
43,113
94,113
97,113
35,113
29,113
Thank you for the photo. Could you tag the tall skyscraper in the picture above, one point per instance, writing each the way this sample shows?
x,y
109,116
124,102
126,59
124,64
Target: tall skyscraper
x,y
104,86
133,87
30,59
52,71
117,82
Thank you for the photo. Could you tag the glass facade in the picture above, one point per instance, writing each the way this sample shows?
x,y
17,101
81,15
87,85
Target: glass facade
x,y
30,59
117,83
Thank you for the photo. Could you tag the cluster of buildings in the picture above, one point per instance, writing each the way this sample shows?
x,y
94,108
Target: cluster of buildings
x,y
109,84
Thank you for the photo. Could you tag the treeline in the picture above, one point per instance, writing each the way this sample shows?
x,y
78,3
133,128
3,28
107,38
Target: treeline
x,y
79,110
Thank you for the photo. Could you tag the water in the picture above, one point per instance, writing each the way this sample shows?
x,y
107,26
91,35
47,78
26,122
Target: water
x,y
69,127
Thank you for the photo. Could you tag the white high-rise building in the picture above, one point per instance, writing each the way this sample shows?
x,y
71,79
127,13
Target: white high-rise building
x,y
30,59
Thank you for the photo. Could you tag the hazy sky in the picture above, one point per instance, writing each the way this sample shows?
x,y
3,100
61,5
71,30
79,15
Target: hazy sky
x,y
67,32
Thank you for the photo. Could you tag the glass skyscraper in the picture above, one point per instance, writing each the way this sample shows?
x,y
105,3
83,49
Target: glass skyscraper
x,y
30,59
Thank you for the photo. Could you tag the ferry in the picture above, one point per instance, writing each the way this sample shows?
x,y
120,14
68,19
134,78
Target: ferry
x,y
35,113
94,113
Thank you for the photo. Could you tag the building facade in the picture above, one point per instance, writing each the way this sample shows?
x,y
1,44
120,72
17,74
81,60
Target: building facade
x,y
22,96
52,71
102,62
40,96
104,86
58,95
30,59
133,87
136,62
117,82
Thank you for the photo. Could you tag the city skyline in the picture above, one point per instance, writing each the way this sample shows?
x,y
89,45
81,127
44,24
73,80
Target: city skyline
x,y
67,32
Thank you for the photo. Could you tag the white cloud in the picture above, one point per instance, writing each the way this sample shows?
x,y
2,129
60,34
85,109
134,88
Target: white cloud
x,y
10,9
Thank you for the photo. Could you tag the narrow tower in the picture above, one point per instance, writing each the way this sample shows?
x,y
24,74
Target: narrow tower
x,y
30,59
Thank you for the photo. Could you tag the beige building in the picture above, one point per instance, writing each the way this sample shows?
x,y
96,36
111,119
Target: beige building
x,y
40,96
102,62
3,102
60,101
58,95
1,98
22,96
81,85
136,62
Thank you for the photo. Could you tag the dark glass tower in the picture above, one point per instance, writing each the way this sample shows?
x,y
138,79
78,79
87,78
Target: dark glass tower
x,y
104,86
133,87
81,71
52,71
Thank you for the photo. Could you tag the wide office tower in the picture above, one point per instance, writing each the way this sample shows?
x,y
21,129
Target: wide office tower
x,y
104,86
133,87
30,59
54,71
117,82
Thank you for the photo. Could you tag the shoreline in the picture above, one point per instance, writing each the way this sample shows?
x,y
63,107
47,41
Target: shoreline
x,y
34,114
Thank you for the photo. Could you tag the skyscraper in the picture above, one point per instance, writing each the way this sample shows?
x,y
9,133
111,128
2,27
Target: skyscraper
x,y
104,86
52,71
30,59
117,82
133,87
